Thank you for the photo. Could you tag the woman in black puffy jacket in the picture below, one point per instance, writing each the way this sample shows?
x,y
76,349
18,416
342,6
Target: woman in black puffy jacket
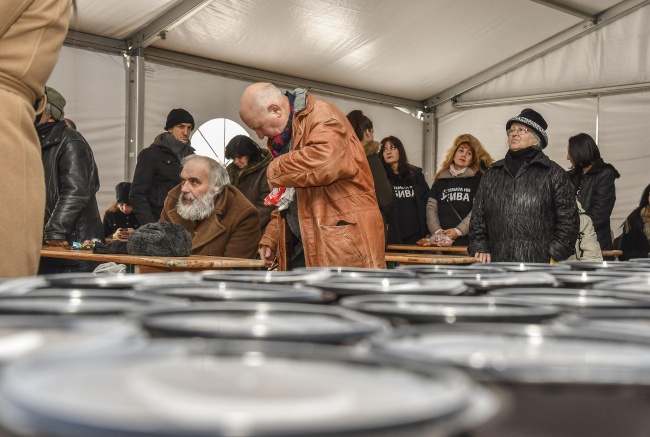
x,y
593,180
635,240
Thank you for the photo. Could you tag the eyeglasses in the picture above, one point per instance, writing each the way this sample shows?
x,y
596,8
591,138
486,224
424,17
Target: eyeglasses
x,y
517,130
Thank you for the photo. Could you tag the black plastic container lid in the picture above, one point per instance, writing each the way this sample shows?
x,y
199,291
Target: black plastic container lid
x,y
572,298
586,277
535,354
594,265
640,260
85,302
526,267
174,388
639,284
264,276
343,286
244,292
627,323
423,270
360,272
264,321
449,309
491,281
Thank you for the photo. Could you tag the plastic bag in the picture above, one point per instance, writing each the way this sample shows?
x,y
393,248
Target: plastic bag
x,y
441,240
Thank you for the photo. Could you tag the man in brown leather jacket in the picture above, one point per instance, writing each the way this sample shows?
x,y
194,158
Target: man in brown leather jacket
x,y
335,216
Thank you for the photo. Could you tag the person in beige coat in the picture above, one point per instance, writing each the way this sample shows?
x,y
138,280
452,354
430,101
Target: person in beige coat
x,y
31,35
587,246
221,221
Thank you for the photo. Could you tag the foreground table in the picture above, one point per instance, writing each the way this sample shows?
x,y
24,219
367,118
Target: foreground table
x,y
428,258
156,264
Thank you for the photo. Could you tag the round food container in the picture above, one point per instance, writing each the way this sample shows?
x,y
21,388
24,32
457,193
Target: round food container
x,y
554,382
627,322
244,292
572,298
638,284
597,265
189,388
527,267
85,302
265,277
360,272
349,286
401,309
450,269
264,321
586,278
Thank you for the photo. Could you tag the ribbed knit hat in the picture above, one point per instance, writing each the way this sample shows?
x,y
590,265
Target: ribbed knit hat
x,y
178,116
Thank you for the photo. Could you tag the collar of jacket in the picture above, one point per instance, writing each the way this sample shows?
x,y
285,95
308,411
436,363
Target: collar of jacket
x,y
162,138
446,174
300,104
56,135
540,159
235,175
211,226
371,147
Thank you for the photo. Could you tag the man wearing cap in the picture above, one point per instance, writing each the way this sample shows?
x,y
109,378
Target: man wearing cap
x,y
31,36
71,182
525,208
159,166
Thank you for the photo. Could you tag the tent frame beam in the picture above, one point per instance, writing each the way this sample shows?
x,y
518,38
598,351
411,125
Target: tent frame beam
x,y
567,9
555,42
147,35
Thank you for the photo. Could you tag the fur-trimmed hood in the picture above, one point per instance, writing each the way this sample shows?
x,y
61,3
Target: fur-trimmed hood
x,y
371,147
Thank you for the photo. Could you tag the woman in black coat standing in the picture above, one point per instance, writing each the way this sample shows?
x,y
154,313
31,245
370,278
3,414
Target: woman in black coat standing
x,y
525,209
593,181
410,188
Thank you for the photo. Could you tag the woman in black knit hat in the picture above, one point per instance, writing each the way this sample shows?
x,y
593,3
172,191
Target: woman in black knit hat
x,y
119,218
525,209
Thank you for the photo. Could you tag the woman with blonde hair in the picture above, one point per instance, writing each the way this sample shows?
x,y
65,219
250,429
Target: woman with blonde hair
x,y
449,207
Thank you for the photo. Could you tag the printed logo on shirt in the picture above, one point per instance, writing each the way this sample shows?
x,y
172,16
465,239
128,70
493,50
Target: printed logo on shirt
x,y
402,191
457,194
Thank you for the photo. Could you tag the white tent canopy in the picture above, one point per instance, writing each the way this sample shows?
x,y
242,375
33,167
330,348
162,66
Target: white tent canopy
x,y
466,65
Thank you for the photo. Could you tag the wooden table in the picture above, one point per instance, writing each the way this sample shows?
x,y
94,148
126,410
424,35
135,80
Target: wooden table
x,y
155,264
416,248
428,258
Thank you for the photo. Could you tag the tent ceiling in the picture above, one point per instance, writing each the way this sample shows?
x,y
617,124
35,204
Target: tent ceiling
x,y
412,49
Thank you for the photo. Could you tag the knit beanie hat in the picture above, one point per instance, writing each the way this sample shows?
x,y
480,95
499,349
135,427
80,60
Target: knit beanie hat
x,y
533,120
160,239
122,192
56,101
178,116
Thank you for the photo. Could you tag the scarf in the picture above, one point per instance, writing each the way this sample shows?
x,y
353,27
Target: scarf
x,y
516,158
282,143
179,149
43,130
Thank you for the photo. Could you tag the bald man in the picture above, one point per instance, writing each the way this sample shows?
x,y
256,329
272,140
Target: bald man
x,y
333,219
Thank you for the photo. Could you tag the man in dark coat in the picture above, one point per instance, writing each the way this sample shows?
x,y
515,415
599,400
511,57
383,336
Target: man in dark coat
x,y
71,182
525,209
220,220
159,166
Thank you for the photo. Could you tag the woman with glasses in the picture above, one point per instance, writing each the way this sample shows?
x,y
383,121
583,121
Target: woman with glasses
x,y
525,208
449,207
410,188
593,181
119,218
247,173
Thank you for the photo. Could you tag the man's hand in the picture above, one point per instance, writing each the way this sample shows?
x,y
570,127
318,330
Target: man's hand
x,y
57,243
483,257
267,255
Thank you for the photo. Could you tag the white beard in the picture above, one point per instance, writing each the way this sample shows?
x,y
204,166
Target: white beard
x,y
200,208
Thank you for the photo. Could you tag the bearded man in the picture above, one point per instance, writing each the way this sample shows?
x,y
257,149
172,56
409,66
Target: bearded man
x,y
221,221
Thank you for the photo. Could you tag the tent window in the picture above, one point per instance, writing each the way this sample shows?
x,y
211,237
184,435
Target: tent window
x,y
211,137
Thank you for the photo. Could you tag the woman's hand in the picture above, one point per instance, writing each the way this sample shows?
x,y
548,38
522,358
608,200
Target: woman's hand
x,y
483,257
451,233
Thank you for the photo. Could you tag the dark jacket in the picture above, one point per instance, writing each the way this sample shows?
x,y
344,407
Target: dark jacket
x,y
413,178
383,191
114,220
597,195
253,184
232,230
71,182
529,217
635,240
157,171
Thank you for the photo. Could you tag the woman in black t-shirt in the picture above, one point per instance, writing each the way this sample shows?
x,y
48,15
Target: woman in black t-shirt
x,y
411,190
449,207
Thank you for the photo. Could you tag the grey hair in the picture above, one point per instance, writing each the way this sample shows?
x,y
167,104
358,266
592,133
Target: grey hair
x,y
218,173
538,142
267,94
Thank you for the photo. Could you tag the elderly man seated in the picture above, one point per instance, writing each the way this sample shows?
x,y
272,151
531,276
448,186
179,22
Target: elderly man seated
x,y
221,221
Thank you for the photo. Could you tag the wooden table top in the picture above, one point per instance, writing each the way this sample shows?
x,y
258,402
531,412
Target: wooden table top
x,y
416,248
157,262
428,258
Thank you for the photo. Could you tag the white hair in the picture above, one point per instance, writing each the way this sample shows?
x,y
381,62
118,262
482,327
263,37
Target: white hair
x,y
218,173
